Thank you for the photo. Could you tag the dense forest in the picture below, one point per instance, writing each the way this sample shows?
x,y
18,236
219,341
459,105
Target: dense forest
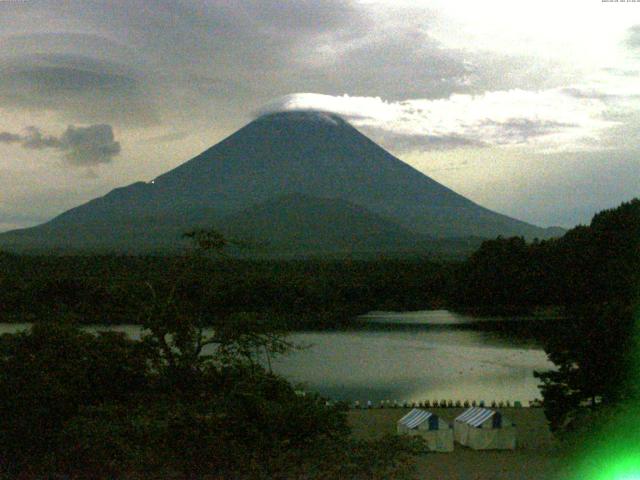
x,y
588,265
305,293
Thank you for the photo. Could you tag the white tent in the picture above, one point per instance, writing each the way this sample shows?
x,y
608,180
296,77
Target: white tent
x,y
437,433
484,429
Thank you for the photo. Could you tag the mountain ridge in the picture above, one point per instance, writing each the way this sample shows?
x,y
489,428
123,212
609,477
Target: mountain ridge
x,y
309,153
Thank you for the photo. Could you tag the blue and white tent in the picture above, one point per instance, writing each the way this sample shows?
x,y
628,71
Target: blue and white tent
x,y
436,432
484,429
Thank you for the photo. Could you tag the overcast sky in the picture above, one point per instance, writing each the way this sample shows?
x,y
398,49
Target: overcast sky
x,y
530,108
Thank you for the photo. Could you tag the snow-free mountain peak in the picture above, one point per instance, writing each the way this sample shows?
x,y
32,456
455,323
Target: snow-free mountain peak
x,y
310,153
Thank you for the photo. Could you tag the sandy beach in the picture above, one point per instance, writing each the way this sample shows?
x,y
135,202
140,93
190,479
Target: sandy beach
x,y
534,458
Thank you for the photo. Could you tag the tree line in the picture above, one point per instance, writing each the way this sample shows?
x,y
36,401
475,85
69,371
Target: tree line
x,y
589,265
313,293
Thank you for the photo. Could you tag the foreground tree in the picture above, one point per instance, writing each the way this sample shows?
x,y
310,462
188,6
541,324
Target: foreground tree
x,y
49,374
594,352
183,338
597,349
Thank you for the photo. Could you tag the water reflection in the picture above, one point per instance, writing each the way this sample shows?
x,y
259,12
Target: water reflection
x,y
415,356
424,317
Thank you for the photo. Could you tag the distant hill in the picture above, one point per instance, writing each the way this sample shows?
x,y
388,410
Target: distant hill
x,y
307,180
300,224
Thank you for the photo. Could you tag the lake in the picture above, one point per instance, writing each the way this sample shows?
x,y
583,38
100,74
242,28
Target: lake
x,y
413,356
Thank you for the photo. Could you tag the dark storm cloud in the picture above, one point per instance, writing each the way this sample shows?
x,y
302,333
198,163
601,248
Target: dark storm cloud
x,y
141,52
230,57
81,44
79,75
210,37
80,146
91,89
36,140
7,137
399,66
196,59
89,145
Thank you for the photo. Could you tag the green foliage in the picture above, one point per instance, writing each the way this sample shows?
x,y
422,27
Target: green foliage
x,y
254,421
593,351
596,348
588,265
607,255
207,240
496,264
52,371
87,406
173,331
307,294
194,441
391,457
111,440
508,275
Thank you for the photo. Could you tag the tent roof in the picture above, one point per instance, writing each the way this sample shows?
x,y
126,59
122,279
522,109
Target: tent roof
x,y
415,417
475,416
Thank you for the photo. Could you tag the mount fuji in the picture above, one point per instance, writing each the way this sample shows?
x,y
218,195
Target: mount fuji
x,y
306,181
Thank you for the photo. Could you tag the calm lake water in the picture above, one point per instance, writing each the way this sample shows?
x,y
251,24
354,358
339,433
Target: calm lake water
x,y
414,356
